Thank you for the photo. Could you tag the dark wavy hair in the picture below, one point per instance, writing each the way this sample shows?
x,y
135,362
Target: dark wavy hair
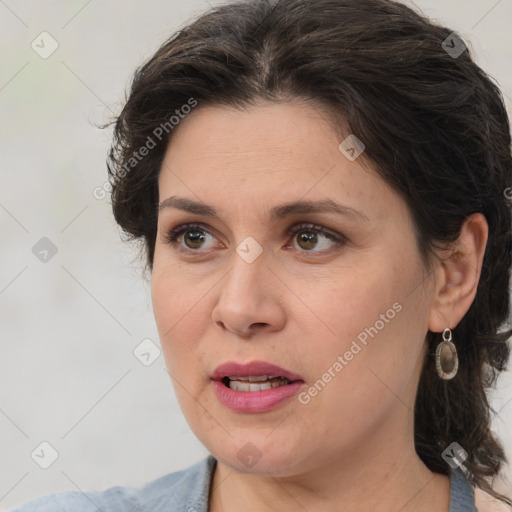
x,y
434,126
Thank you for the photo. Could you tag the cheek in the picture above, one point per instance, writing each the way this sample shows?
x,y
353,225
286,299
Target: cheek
x,y
373,317
172,296
170,311
357,300
164,299
182,310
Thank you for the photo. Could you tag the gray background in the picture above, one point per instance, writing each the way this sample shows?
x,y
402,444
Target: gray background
x,y
70,324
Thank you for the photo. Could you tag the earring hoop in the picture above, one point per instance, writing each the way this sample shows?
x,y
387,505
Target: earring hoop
x,y
447,361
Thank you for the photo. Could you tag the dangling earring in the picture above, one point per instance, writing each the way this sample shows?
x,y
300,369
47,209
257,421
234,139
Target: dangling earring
x,y
447,362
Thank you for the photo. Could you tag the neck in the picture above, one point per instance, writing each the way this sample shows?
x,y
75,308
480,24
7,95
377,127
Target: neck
x,y
386,476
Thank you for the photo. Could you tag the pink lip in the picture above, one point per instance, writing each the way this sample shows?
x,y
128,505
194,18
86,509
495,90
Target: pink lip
x,y
254,401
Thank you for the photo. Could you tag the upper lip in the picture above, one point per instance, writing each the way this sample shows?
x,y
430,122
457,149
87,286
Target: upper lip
x,y
252,369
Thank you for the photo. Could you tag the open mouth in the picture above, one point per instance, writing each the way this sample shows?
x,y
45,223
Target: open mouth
x,y
251,384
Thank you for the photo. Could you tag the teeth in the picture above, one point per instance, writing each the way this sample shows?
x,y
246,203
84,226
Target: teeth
x,y
259,378
237,385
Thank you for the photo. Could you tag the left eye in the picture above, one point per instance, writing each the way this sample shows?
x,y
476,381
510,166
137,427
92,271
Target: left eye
x,y
309,234
309,237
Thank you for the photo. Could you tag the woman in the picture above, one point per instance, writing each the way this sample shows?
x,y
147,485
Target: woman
x,y
322,191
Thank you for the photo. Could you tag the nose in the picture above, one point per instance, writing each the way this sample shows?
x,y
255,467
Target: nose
x,y
250,299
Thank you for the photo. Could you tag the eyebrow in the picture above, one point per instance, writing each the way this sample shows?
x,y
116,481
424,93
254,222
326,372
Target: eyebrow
x,y
277,212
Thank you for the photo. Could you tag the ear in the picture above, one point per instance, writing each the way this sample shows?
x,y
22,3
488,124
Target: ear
x,y
458,274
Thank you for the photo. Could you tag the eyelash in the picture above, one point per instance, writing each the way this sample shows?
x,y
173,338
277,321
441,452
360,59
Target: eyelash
x,y
172,236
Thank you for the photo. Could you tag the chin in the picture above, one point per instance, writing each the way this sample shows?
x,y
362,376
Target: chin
x,y
255,457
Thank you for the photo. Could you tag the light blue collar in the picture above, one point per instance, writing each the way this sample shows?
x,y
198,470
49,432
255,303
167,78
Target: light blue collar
x,y
193,488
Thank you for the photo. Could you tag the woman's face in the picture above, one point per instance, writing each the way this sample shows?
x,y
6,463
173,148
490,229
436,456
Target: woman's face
x,y
347,310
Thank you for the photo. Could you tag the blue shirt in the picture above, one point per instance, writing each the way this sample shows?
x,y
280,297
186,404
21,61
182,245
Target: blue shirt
x,y
186,490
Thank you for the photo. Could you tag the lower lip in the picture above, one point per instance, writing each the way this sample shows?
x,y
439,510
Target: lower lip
x,y
255,401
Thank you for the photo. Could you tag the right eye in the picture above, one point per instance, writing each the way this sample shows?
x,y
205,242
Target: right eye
x,y
193,235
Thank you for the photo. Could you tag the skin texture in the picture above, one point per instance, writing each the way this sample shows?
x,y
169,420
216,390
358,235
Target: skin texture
x,y
301,306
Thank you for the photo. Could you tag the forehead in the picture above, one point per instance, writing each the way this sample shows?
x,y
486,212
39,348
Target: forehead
x,y
231,133
286,151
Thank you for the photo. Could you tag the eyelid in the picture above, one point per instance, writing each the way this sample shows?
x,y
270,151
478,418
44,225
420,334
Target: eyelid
x,y
339,239
317,228
170,237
